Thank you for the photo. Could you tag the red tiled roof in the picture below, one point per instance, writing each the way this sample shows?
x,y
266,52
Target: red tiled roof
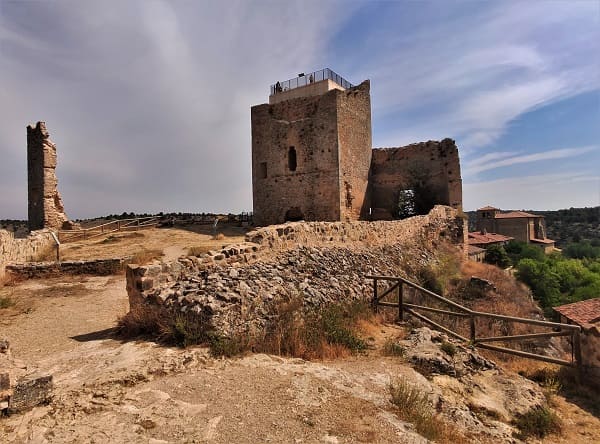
x,y
488,208
478,238
583,312
513,214
472,249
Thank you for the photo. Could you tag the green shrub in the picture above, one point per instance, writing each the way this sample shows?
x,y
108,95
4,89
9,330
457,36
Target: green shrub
x,y
6,302
227,347
392,348
538,422
448,348
188,329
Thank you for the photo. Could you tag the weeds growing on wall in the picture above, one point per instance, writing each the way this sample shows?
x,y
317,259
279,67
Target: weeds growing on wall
x,y
328,333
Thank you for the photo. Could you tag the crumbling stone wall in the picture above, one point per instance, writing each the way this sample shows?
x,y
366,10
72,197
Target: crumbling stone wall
x,y
431,170
310,156
590,351
321,262
46,208
94,267
312,160
23,250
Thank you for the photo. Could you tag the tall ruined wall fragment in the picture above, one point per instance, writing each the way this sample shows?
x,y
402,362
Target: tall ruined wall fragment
x,y
310,156
354,138
431,170
45,209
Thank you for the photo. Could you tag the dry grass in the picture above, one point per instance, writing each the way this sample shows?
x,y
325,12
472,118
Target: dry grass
x,y
150,239
413,405
330,333
197,250
146,256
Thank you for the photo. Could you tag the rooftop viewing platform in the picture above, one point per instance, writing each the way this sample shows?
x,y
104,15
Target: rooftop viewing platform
x,y
305,85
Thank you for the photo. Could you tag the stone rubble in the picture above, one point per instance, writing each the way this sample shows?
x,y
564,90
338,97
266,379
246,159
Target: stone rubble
x,y
240,300
21,387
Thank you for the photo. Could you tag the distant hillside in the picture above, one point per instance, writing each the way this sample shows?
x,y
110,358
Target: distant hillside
x,y
564,226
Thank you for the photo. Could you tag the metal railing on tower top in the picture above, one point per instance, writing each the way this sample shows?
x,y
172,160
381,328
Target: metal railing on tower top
x,y
306,79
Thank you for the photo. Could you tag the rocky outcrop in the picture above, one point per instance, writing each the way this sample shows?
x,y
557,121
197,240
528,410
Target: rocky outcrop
x,y
20,387
468,389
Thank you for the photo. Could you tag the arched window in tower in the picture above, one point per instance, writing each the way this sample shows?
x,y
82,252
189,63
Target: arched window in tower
x,y
292,159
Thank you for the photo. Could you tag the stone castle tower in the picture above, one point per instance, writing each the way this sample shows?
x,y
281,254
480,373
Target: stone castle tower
x,y
311,151
45,208
312,157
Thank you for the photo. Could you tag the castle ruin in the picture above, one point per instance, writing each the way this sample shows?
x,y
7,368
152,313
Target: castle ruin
x,y
45,208
312,158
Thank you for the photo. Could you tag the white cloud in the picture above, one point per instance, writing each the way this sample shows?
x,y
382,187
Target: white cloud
x,y
498,160
478,72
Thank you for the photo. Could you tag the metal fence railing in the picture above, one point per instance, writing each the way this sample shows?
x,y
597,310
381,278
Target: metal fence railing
x,y
312,77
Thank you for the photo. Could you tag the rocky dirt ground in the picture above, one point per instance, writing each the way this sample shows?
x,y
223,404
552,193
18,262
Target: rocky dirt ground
x,y
173,242
110,391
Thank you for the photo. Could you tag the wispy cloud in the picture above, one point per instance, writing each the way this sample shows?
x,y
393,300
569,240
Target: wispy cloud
x,y
479,70
497,160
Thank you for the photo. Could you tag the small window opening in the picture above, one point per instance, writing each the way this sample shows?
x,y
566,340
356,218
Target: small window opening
x,y
263,170
292,159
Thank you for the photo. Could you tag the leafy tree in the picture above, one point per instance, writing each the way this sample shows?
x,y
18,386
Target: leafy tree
x,y
544,284
496,255
406,204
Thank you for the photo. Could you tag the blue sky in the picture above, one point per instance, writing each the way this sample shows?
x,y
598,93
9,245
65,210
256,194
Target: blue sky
x,y
149,101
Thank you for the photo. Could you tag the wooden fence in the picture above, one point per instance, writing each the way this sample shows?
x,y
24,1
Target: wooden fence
x,y
139,223
400,285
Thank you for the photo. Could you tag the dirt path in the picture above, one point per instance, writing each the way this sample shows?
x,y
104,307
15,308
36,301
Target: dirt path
x,y
55,315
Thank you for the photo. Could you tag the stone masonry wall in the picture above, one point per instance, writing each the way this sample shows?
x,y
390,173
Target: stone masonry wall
x,y
95,267
590,351
308,125
435,165
354,136
46,209
23,250
327,135
321,262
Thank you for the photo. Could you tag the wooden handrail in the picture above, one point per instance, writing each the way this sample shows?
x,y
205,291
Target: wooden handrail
x,y
107,228
563,329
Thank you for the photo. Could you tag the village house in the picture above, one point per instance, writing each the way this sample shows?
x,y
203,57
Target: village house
x,y
518,225
478,241
586,314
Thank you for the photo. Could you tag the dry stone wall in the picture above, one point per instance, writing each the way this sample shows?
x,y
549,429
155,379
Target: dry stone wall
x,y
23,250
96,267
317,262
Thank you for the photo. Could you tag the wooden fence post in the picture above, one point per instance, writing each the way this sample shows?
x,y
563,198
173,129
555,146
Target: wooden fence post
x,y
577,351
375,301
400,301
